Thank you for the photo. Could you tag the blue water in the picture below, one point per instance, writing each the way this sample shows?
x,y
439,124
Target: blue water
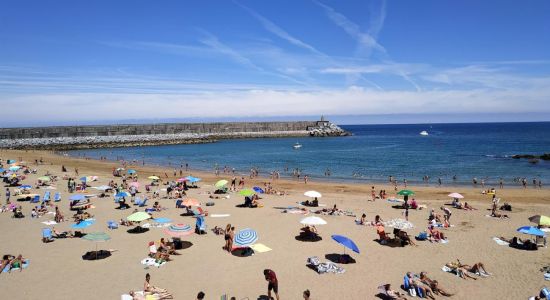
x,y
373,153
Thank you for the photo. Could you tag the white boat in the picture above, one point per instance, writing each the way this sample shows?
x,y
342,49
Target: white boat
x,y
423,132
297,146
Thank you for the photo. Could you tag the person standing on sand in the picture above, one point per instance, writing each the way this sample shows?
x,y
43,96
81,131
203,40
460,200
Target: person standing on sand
x,y
305,179
501,183
405,182
306,295
273,283
233,186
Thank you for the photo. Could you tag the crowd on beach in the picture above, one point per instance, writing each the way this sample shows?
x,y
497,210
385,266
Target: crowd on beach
x,y
124,188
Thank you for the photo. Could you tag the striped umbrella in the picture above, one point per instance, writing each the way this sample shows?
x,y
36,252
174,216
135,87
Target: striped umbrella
x,y
182,179
246,237
179,230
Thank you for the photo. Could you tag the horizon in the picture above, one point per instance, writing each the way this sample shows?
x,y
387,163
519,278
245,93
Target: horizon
x,y
69,62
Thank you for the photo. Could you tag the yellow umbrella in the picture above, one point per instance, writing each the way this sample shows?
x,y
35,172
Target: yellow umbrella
x,y
138,216
154,177
541,220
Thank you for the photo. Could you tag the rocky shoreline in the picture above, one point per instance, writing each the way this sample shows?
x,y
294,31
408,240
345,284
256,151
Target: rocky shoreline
x,y
545,156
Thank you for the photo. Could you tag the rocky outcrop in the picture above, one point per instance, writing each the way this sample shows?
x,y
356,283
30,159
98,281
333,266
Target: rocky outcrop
x,y
325,128
545,156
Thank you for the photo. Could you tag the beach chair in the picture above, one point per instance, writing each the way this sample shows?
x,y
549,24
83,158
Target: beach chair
x,y
540,241
47,235
36,199
112,224
46,197
57,197
408,287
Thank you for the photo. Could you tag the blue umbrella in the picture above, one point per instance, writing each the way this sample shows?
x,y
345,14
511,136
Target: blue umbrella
x,y
77,197
2,170
83,178
192,179
346,242
531,230
131,171
258,190
123,194
162,220
26,186
246,237
83,224
15,168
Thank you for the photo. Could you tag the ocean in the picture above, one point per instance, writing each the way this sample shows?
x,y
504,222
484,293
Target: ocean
x,y
456,153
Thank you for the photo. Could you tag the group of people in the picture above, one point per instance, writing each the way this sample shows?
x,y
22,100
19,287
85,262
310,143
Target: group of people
x,y
12,262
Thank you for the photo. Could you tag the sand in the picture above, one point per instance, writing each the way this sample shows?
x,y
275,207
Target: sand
x,y
57,270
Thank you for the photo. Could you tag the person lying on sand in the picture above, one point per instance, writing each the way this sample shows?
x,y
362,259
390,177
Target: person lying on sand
x,y
415,282
149,289
461,271
17,263
478,268
434,285
391,294
435,235
362,221
468,206
494,214
62,234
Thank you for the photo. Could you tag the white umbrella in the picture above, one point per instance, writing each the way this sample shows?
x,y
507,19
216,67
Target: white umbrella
x,y
313,194
313,221
399,224
455,195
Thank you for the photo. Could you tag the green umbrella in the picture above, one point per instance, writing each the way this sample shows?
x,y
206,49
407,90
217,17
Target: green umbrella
x,y
96,237
405,192
247,192
44,178
138,217
220,183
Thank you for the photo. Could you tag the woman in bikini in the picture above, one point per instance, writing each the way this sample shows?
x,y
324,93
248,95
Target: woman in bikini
x,y
434,285
227,237
149,289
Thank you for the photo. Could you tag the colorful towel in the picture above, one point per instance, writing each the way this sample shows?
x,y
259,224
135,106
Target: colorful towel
x,y
151,262
260,248
49,222
25,265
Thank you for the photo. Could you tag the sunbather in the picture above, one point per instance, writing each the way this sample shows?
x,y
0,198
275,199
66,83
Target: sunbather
x,y
415,282
167,247
363,220
461,271
17,263
494,214
434,285
405,238
478,268
149,289
156,254
435,234
391,294
62,234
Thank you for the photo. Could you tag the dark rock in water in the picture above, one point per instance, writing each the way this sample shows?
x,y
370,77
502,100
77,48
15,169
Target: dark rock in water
x,y
531,157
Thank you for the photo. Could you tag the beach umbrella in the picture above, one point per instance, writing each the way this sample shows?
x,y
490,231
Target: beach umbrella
x,y
191,202
192,179
77,197
96,237
14,168
405,192
154,177
179,230
531,230
346,242
120,169
313,194
83,224
162,220
138,216
313,221
44,178
11,161
25,187
540,220
220,183
246,237
258,190
132,171
123,194
2,170
247,192
134,184
455,195
399,224
84,179
182,179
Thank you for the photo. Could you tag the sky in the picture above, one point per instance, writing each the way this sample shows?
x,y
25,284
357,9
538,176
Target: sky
x,y
76,62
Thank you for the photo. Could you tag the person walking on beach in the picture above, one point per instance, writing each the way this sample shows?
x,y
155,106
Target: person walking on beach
x,y
305,179
8,194
233,184
501,183
273,283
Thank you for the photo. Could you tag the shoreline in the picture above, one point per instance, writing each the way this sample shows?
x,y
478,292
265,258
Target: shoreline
x,y
438,193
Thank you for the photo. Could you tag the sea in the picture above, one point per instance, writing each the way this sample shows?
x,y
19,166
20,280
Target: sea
x,y
452,153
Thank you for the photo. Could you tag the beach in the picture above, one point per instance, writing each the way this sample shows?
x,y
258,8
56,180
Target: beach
x,y
57,270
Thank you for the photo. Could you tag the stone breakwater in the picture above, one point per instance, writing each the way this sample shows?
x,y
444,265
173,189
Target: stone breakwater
x,y
86,137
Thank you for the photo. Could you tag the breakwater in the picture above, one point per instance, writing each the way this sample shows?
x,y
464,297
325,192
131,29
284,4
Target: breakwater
x,y
81,137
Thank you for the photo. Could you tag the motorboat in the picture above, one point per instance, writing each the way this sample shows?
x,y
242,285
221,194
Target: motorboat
x,y
297,146
423,132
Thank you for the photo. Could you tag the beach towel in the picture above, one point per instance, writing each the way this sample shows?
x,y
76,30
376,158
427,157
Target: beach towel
x,y
128,297
546,276
448,270
394,200
260,248
500,242
49,222
296,211
219,215
444,241
326,267
26,263
319,205
151,262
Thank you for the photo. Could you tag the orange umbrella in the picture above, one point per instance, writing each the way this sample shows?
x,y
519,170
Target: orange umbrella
x,y
191,202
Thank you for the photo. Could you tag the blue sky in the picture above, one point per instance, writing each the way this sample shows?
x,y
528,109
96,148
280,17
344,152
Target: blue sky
x,y
90,61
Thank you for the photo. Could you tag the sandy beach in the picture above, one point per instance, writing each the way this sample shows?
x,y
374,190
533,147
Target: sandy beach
x,y
57,270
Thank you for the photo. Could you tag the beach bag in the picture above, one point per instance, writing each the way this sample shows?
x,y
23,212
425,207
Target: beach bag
x,y
412,292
